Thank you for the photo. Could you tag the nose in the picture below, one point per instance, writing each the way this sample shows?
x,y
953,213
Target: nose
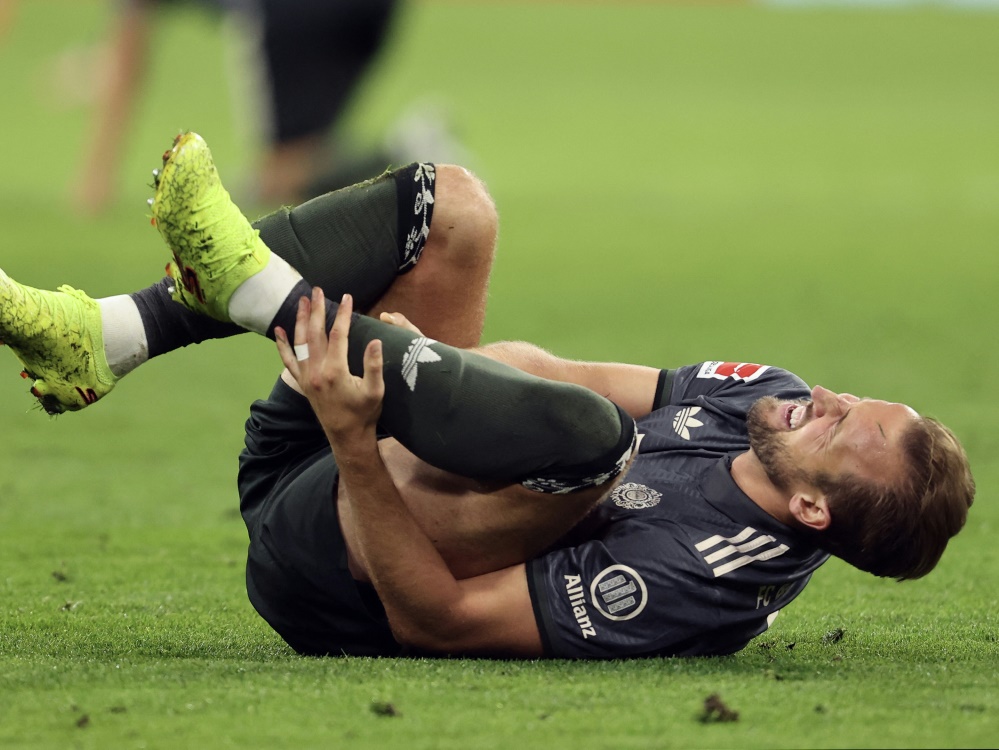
x,y
825,401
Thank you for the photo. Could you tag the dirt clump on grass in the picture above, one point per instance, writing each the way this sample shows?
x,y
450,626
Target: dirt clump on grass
x,y
379,708
833,636
715,710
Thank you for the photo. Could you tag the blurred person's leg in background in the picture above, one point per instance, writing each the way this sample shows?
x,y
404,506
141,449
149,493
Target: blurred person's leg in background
x,y
315,55
311,58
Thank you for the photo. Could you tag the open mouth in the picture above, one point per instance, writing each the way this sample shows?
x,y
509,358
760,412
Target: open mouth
x,y
794,415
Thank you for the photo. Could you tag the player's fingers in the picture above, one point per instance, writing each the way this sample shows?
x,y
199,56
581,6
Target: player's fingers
x,y
316,334
302,321
374,384
340,331
399,320
286,352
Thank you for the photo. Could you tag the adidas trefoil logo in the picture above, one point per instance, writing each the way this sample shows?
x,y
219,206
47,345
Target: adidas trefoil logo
x,y
684,419
418,351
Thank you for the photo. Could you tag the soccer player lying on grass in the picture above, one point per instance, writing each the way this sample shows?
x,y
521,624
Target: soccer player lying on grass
x,y
406,493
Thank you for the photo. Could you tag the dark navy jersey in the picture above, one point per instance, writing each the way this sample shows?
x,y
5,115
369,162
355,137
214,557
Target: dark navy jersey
x,y
677,561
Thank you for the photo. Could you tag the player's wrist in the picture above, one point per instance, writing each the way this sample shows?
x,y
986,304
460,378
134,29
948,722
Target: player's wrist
x,y
354,447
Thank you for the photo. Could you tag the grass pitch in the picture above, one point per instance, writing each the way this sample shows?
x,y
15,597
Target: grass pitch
x,y
814,189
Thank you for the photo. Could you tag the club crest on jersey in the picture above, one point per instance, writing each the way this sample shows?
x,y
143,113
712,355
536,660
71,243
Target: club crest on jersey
x,y
634,496
747,372
619,593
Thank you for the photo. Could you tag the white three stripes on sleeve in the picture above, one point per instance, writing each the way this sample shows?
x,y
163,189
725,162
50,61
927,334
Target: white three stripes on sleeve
x,y
738,544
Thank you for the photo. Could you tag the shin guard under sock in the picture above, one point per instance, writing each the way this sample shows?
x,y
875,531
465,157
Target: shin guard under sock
x,y
360,238
354,240
473,416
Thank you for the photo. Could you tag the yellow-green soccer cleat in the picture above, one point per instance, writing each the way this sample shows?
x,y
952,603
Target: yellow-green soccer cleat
x,y
214,247
57,336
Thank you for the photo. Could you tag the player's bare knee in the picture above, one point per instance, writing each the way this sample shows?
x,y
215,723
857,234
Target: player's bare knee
x,y
464,227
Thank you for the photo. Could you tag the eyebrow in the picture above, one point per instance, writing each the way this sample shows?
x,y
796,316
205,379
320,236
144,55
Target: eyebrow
x,y
836,431
880,428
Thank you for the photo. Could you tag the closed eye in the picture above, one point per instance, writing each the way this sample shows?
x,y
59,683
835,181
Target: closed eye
x,y
841,420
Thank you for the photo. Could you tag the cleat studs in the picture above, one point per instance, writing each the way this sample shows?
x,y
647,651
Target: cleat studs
x,y
156,173
152,222
24,374
149,201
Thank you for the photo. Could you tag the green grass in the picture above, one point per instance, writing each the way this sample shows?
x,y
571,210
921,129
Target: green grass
x,y
818,190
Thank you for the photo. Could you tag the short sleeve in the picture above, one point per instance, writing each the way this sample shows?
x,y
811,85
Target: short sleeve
x,y
731,381
596,601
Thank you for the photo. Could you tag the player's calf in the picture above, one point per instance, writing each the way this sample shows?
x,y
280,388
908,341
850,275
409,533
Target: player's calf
x,y
465,413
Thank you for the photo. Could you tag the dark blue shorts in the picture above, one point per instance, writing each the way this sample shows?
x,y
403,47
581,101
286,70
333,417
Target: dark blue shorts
x,y
316,53
296,568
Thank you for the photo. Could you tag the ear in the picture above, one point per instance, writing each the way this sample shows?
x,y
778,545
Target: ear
x,y
810,510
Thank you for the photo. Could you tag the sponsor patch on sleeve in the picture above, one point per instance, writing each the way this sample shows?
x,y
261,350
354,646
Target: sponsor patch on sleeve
x,y
619,593
744,371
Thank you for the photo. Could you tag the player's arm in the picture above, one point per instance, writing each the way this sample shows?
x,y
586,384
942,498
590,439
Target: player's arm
x,y
632,387
427,607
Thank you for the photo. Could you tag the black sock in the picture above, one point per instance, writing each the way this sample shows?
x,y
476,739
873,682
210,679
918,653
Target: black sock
x,y
170,325
360,238
476,417
353,240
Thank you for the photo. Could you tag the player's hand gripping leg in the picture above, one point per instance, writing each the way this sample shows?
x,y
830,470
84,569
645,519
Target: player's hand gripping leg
x,y
347,406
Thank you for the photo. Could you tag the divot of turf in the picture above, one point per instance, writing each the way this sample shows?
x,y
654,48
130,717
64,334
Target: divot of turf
x,y
715,710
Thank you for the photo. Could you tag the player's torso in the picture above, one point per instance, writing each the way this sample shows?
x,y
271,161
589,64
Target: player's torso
x,y
677,559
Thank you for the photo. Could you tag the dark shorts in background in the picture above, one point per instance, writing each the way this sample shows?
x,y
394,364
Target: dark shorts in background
x,y
316,53
296,568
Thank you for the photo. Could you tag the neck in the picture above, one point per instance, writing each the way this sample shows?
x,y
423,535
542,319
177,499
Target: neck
x,y
750,476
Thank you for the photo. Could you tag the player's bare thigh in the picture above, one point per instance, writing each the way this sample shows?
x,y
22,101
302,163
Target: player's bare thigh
x,y
477,528
445,293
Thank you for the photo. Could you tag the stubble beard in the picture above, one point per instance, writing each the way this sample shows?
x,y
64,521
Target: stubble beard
x,y
770,444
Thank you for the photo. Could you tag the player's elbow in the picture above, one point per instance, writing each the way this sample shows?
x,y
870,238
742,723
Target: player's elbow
x,y
438,635
423,641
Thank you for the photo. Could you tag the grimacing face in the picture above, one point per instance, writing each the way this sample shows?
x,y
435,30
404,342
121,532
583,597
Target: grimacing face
x,y
832,434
